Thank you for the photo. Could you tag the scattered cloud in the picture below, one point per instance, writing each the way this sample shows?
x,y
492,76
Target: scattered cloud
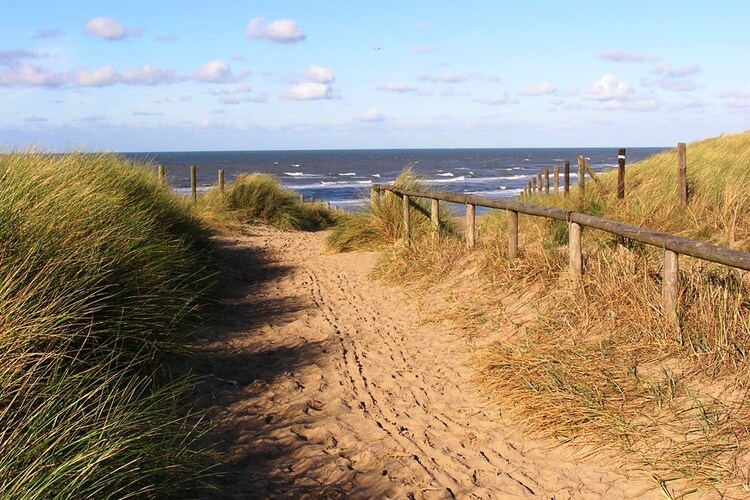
x,y
676,71
36,119
689,103
619,56
106,28
636,104
13,57
147,113
400,87
677,85
319,74
186,98
503,99
735,98
445,77
608,89
372,115
101,77
148,75
216,71
422,49
92,119
543,88
26,74
278,31
45,33
308,91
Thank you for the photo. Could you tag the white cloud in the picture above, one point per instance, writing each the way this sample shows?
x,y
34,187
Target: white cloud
x,y
446,77
678,85
607,89
503,99
372,115
676,71
639,104
36,119
29,75
48,33
619,56
543,88
735,98
215,72
319,74
689,103
308,91
106,28
148,75
397,87
13,57
100,77
278,31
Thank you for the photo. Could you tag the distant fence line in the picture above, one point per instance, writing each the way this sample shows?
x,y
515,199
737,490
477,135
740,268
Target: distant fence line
x,y
672,245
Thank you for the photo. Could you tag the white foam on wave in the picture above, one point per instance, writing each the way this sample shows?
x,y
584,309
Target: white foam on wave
x,y
450,179
348,174
295,174
445,174
375,175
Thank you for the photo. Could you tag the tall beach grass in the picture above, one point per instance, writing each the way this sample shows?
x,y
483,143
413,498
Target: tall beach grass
x,y
100,267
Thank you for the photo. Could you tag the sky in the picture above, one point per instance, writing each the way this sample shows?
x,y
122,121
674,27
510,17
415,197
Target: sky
x,y
164,75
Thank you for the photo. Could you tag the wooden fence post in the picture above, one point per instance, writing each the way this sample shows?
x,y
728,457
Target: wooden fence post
x,y
533,185
566,177
682,189
435,218
670,286
407,226
539,182
546,181
471,230
621,174
582,175
221,180
556,175
301,199
193,182
575,249
512,234
160,174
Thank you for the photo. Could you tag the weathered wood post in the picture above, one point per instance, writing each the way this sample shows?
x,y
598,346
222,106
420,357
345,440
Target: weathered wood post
x,y
407,226
682,188
556,175
533,185
512,234
301,199
621,174
312,200
329,205
193,184
529,189
566,177
582,175
471,230
435,218
670,286
575,249
160,174
221,180
539,182
546,181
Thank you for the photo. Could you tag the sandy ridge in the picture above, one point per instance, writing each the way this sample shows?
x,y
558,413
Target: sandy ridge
x,y
328,385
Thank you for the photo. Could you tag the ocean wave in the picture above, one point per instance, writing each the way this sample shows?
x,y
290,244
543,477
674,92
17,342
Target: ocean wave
x,y
348,174
439,181
375,175
296,174
445,174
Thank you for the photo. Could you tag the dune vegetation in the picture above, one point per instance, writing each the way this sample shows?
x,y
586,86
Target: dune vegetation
x,y
100,268
596,363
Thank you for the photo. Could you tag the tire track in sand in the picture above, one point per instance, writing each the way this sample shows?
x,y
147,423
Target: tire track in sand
x,y
360,399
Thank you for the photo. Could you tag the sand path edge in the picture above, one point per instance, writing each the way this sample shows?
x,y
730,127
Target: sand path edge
x,y
326,384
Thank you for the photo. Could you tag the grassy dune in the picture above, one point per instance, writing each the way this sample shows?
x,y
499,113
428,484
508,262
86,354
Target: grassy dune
x,y
598,364
100,267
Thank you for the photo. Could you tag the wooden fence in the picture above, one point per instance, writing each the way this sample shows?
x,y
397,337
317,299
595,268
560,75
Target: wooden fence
x,y
672,245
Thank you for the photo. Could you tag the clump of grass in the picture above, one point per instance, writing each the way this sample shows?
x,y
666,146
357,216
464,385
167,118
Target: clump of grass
x,y
259,198
380,222
100,267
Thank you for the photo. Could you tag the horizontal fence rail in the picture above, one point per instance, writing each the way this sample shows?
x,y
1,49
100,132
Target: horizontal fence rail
x,y
671,244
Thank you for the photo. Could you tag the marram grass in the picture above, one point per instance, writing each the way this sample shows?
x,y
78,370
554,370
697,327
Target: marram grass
x,y
100,266
598,363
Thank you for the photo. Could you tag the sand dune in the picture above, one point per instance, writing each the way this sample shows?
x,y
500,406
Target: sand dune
x,y
328,385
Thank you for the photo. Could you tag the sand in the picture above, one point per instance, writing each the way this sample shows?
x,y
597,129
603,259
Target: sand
x,y
327,384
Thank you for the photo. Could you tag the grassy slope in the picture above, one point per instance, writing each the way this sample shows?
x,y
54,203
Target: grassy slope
x,y
599,364
99,267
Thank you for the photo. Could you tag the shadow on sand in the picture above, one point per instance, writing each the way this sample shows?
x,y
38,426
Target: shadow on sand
x,y
235,370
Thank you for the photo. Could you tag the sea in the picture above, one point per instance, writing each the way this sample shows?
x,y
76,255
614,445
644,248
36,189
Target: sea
x,y
343,177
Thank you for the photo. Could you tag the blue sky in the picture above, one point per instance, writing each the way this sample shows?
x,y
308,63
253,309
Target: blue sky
x,y
169,75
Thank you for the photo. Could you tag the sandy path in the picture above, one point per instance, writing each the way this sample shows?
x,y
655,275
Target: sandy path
x,y
328,385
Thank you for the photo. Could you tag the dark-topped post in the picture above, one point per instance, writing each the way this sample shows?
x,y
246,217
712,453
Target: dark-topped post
x,y
582,175
546,181
556,176
566,177
160,174
193,184
682,188
621,174
221,180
